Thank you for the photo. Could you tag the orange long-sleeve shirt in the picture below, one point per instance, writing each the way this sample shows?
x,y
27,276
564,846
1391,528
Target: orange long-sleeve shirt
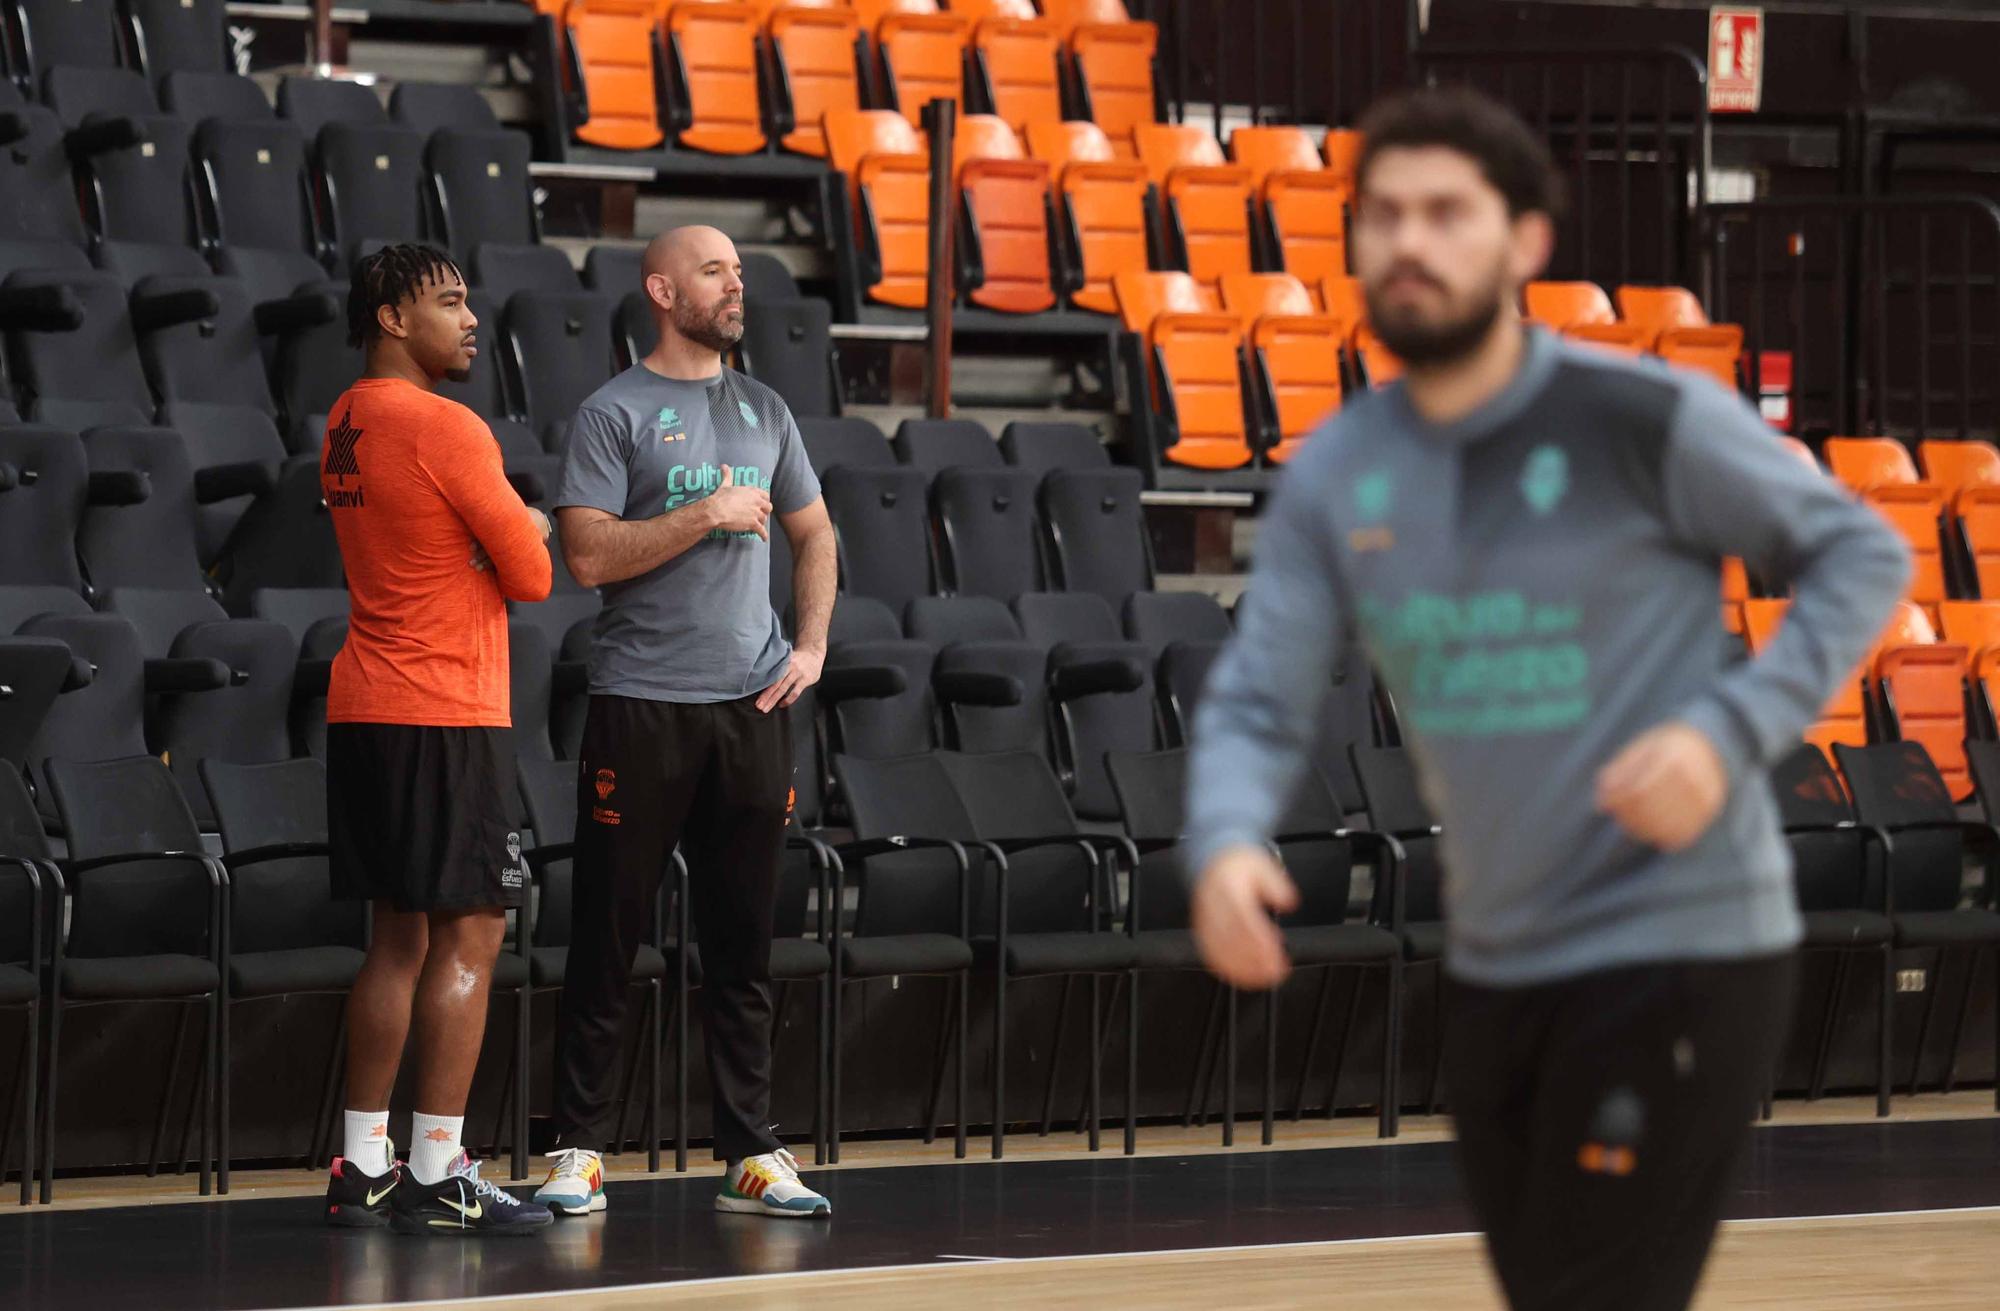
x,y
414,482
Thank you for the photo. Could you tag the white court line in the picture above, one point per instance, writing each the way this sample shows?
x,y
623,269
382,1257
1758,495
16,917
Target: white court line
x,y
670,1285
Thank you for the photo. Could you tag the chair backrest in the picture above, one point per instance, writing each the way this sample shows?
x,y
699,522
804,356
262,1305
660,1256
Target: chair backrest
x,y
786,346
1832,871
1395,804
1157,618
1006,218
255,173
712,58
1151,787
172,35
530,669
312,103
1913,510
245,723
1253,296
89,376
21,837
945,444
1276,149
1660,308
499,270
942,620
151,544
428,106
1561,306
481,188
849,440
989,531
559,344
1206,200
66,32
1104,202
199,96
41,506
1097,532
1893,784
282,903
888,175
1196,373
922,53
549,798
612,48
131,806
908,796
883,521
1180,677
218,359
1015,794
812,49
373,180
1866,463
1114,62
1960,464
33,671
1015,60
1042,447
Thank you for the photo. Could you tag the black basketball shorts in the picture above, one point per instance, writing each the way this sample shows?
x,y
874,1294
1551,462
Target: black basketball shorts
x,y
422,817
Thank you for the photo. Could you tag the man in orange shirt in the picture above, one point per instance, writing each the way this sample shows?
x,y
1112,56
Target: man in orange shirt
x,y
420,750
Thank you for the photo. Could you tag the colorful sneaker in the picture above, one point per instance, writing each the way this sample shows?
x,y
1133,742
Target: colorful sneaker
x,y
769,1185
463,1205
575,1185
356,1199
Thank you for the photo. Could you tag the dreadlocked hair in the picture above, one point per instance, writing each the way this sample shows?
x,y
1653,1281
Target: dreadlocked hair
x,y
391,276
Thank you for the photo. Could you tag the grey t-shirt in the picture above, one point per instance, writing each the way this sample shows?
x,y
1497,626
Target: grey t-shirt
x,y
1537,585
699,628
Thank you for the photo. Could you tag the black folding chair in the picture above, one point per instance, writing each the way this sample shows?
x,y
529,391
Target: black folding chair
x,y
1388,780
286,934
29,886
146,924
1844,897
1897,788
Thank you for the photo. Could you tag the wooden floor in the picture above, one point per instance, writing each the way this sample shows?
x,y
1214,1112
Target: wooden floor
x,y
1349,1131
1938,1261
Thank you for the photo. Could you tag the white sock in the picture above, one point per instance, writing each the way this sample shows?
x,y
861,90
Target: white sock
x,y
434,1146
367,1142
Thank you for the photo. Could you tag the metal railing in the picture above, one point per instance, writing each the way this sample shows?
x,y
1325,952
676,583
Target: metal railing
x,y
1890,307
1633,120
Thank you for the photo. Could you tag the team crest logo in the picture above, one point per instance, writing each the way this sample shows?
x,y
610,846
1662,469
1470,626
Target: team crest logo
x,y
607,782
669,416
749,415
1374,493
513,846
1545,478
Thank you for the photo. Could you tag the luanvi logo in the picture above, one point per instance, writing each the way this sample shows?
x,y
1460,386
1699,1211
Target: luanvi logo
x,y
342,463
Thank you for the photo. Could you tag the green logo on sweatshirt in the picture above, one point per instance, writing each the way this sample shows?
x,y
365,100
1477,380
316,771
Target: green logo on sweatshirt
x,y
1545,478
1373,494
669,417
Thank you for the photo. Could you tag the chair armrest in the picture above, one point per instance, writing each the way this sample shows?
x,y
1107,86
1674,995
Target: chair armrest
x,y
839,683
219,482
118,487
1067,682
971,687
154,310
236,860
187,674
40,309
102,133
278,318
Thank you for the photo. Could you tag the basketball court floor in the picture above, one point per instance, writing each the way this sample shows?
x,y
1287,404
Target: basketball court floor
x,y
1834,1210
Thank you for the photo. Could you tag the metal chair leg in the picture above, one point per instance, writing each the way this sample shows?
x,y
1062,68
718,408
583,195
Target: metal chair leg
x,y
964,1041
1431,1103
1270,1061
31,1043
681,1008
523,1005
653,1080
153,1159
1924,1024
51,1100
631,1078
822,991
1000,1058
1972,959
224,1010
834,1072
1390,1120
1312,1042
1199,1079
1055,1056
1132,1064
1885,1008
935,1097
1340,1050
1824,1050
1096,1062
210,1080
1229,1069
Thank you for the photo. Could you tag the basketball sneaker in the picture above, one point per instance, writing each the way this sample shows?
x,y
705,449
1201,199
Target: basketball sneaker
x,y
575,1185
358,1200
463,1205
769,1185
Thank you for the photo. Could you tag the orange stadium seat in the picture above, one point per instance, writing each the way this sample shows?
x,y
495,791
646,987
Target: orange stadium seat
x,y
1913,510
611,46
812,54
1340,295
1113,59
1865,463
1379,366
1974,625
1956,466
1016,59
1295,355
888,179
1304,205
1678,331
921,50
1205,200
1582,311
1103,206
1922,685
1007,207
1195,352
1844,718
712,51
1342,151
1979,521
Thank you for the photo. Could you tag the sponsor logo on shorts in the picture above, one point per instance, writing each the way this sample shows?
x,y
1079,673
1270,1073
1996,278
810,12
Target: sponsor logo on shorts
x,y
607,783
510,873
605,816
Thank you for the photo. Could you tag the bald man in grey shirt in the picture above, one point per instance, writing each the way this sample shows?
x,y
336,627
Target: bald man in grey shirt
x,y
1526,536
